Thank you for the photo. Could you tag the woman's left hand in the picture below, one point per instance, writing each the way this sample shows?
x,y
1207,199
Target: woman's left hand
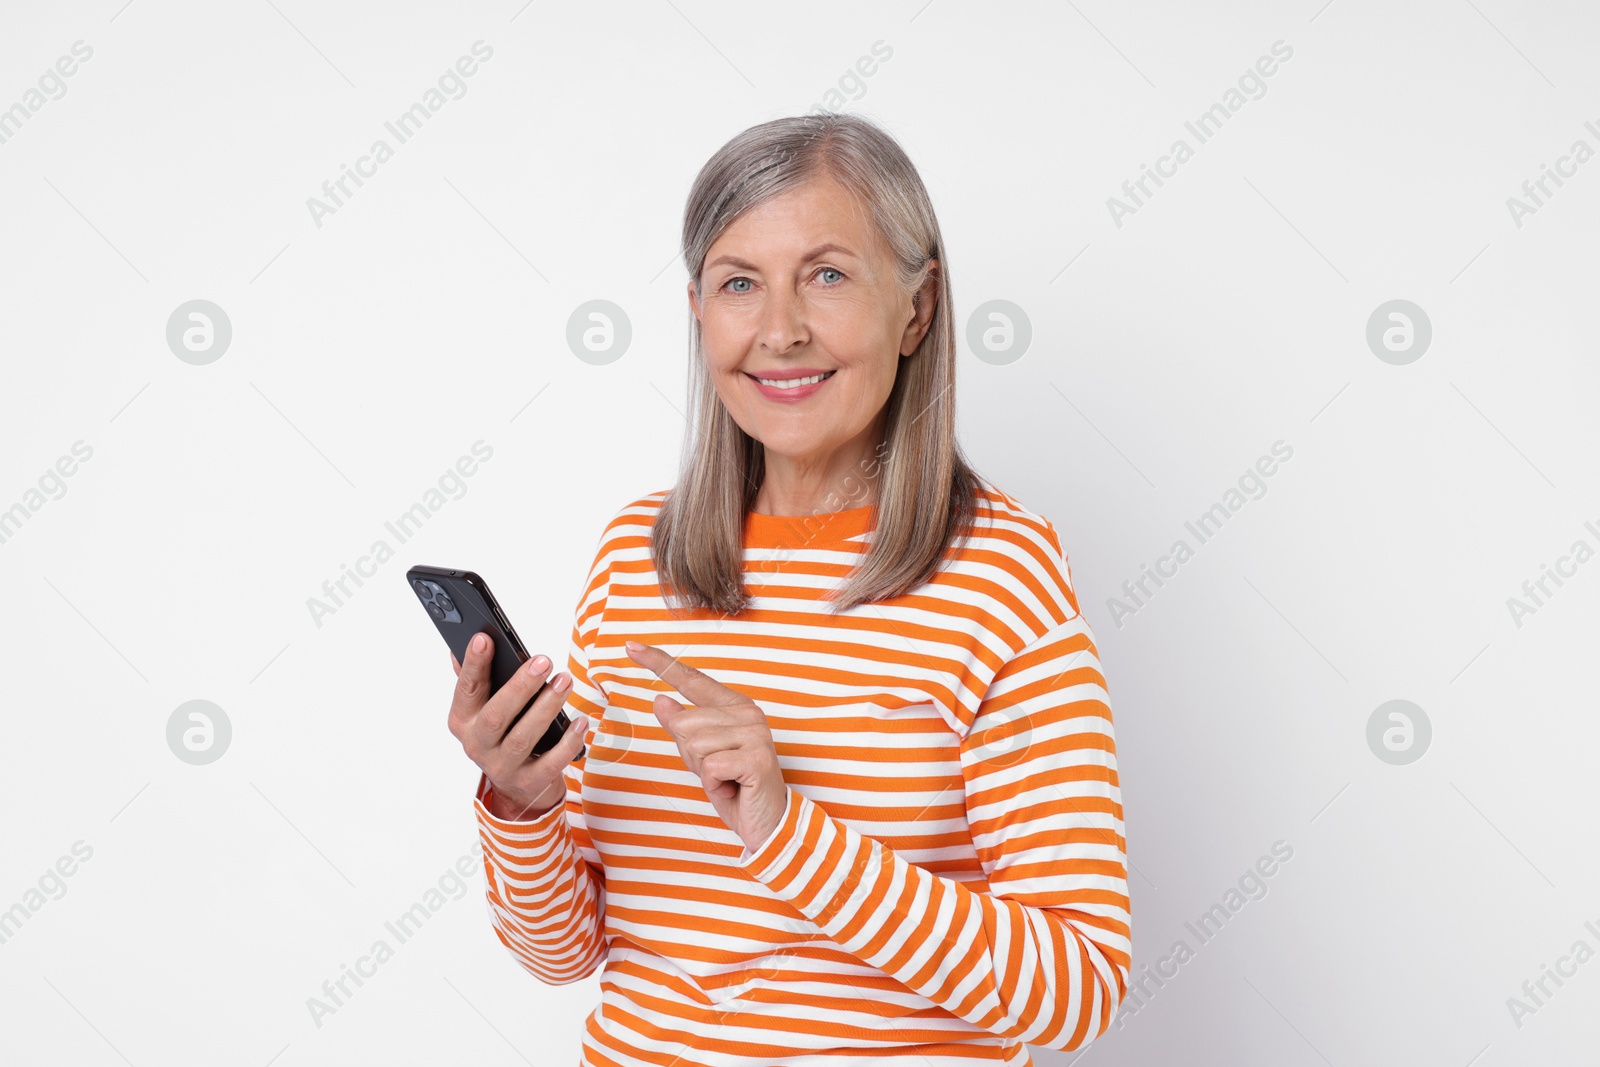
x,y
724,738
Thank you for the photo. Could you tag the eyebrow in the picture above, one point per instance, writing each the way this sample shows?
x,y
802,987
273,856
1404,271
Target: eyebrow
x,y
815,253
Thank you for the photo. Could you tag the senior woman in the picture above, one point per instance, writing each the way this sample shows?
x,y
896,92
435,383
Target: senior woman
x,y
850,792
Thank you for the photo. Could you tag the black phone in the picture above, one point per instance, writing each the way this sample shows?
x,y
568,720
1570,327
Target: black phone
x,y
461,606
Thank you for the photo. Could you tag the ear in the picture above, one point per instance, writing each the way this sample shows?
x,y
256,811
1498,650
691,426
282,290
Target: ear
x,y
694,303
923,303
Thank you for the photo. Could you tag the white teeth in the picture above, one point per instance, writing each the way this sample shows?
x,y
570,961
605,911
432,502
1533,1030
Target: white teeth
x,y
790,383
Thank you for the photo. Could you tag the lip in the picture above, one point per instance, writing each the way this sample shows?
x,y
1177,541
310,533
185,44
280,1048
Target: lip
x,y
799,392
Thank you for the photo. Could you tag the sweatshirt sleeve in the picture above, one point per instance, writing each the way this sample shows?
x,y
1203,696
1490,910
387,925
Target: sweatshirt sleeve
x,y
545,882
1042,956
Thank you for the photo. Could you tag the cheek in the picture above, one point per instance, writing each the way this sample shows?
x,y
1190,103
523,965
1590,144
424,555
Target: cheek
x,y
876,369
720,349
722,334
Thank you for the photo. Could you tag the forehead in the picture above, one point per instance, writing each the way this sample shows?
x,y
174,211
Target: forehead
x,y
797,221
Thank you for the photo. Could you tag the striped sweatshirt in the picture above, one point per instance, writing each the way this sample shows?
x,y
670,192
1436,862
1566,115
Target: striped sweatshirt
x,y
949,881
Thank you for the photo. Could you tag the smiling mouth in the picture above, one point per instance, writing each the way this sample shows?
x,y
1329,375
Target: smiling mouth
x,y
790,383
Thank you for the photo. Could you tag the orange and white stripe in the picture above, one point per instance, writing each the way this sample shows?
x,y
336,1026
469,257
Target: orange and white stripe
x,y
949,880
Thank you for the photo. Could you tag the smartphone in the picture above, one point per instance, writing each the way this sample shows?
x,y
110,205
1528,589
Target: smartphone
x,y
461,606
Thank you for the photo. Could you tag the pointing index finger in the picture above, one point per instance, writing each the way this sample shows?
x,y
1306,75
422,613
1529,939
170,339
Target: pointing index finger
x,y
699,687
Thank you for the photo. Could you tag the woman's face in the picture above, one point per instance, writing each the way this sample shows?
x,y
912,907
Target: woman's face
x,y
798,286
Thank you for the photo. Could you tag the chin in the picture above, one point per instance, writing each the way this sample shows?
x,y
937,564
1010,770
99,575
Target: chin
x,y
790,440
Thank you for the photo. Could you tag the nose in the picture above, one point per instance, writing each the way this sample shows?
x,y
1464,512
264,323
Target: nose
x,y
782,320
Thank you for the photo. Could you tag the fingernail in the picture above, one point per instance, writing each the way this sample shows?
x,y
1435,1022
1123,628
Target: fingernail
x,y
479,642
634,646
537,664
562,681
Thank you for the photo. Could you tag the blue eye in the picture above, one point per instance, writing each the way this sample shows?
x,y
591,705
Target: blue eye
x,y
742,292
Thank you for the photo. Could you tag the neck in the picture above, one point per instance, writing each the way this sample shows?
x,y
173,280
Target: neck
x,y
845,479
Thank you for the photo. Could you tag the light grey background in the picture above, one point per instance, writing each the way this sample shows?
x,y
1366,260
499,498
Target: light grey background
x,y
1167,354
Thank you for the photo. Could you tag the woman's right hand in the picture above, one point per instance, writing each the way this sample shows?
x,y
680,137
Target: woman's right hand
x,y
522,789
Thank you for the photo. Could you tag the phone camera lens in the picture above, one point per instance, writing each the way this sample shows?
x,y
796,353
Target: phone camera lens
x,y
444,602
436,611
422,589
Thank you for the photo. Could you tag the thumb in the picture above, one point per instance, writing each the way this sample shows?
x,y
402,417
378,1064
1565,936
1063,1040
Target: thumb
x,y
666,709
